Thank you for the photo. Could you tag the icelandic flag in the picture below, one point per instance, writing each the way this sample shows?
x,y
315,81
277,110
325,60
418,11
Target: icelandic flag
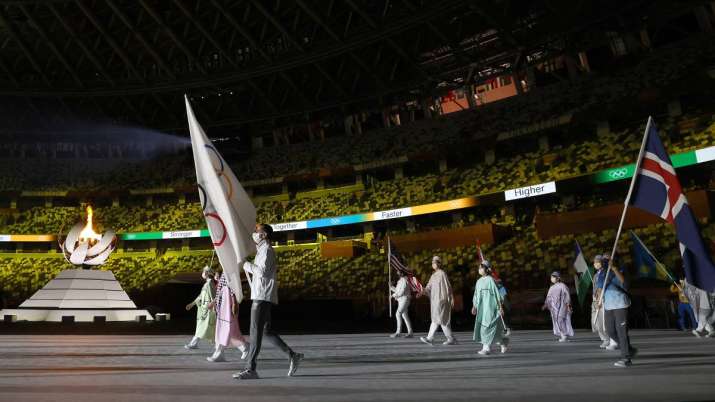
x,y
229,212
584,275
646,264
658,191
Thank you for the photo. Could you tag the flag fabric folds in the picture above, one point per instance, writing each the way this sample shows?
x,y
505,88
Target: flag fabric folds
x,y
658,191
229,212
398,263
584,275
645,263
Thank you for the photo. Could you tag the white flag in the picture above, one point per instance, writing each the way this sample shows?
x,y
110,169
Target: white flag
x,y
229,212
580,263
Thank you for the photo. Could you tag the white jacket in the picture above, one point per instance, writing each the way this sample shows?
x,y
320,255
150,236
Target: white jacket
x,y
402,290
263,274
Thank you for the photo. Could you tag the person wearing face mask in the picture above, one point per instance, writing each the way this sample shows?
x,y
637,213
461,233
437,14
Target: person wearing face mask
x,y
402,293
616,302
205,317
597,326
228,332
558,302
439,291
264,293
487,308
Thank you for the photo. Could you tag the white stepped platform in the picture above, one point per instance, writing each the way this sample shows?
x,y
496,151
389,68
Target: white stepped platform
x,y
83,294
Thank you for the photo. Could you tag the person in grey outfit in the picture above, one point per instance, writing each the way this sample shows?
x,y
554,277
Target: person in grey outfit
x,y
264,293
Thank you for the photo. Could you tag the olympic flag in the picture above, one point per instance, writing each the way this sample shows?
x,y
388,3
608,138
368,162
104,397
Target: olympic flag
x,y
229,212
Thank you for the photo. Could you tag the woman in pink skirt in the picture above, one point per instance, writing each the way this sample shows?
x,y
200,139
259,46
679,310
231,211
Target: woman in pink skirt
x,y
227,331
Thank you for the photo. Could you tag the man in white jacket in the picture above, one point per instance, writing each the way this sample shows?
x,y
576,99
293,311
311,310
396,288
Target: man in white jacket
x,y
264,293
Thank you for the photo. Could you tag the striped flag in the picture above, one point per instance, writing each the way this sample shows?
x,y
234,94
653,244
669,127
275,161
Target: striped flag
x,y
658,191
398,263
584,275
229,212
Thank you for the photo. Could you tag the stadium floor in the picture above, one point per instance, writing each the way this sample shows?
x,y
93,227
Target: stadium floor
x,y
671,366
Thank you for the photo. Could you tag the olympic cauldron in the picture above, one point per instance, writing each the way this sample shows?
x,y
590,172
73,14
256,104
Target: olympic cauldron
x,y
84,247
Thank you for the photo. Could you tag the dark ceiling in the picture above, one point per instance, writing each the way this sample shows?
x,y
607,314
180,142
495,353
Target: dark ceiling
x,y
244,61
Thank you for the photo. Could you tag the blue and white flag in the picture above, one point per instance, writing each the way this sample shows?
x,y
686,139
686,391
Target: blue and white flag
x,y
658,191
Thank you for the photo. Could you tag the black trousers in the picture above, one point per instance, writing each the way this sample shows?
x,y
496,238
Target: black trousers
x,y
617,328
261,327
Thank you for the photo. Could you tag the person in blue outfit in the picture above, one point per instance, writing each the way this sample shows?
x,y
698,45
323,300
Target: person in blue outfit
x,y
685,311
616,302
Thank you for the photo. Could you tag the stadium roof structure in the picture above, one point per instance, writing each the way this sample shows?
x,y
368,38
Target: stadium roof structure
x,y
244,61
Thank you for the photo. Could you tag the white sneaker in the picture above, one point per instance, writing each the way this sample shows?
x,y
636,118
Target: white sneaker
x,y
294,361
450,341
395,335
426,340
563,338
244,351
696,333
612,346
604,344
503,348
711,334
216,359
190,346
484,352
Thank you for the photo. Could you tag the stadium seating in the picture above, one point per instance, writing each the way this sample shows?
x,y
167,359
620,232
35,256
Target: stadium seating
x,y
522,260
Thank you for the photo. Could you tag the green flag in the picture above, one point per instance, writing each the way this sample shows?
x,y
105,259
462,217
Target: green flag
x,y
584,275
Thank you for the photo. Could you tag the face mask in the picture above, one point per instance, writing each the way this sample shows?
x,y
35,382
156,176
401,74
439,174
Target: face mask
x,y
256,237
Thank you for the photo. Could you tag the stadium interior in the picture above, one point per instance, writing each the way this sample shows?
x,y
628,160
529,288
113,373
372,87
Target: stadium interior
x,y
344,109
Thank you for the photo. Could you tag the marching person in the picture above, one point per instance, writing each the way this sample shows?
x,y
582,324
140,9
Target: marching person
x,y
685,311
702,304
487,307
616,302
264,293
403,294
228,332
597,325
439,291
205,316
558,302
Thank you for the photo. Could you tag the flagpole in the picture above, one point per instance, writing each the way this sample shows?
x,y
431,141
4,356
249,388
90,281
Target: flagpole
x,y
625,208
389,276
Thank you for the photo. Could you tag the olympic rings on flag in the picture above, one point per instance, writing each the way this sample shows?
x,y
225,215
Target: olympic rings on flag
x,y
223,226
220,171
202,197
